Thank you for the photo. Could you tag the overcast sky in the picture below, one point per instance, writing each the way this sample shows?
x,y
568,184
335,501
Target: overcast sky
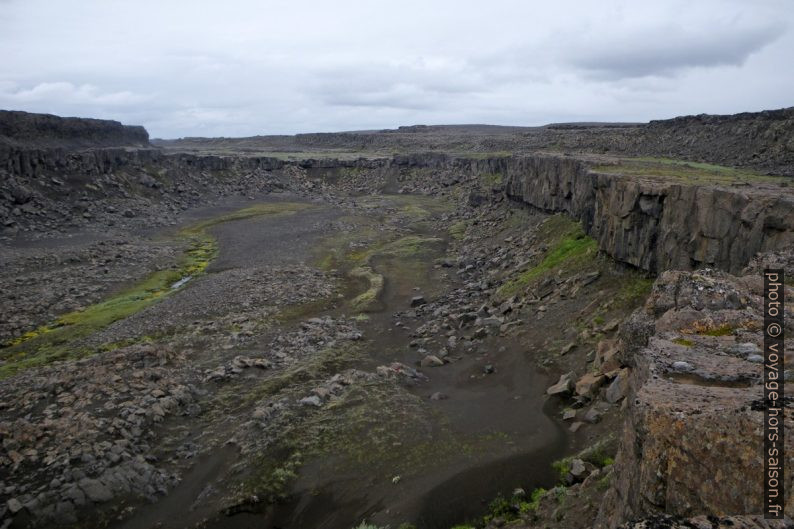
x,y
245,67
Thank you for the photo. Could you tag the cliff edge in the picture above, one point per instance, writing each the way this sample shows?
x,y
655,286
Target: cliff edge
x,y
39,131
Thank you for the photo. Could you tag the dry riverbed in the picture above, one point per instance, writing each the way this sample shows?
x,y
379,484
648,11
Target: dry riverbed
x,y
298,363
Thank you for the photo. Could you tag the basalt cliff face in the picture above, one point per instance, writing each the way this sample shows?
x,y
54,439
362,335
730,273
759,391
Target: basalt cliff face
x,y
48,131
656,225
761,140
692,440
649,223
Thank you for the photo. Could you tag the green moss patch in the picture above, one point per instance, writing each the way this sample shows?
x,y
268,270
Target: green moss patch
x,y
56,341
274,208
458,230
374,424
686,172
569,250
720,330
367,300
635,289
490,180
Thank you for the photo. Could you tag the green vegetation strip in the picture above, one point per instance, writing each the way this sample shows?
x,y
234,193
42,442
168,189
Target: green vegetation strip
x,y
512,509
686,172
409,250
569,250
369,298
55,341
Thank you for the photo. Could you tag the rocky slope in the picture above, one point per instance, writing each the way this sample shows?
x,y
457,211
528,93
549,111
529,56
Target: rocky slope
x,y
23,129
653,223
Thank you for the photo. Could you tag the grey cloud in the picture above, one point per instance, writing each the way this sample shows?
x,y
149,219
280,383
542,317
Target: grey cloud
x,y
419,86
668,51
244,68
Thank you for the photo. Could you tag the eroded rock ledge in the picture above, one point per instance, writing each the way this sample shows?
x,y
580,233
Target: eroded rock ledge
x,y
657,225
692,440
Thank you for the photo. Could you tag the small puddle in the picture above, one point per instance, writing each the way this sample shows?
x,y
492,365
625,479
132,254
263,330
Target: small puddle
x,y
181,282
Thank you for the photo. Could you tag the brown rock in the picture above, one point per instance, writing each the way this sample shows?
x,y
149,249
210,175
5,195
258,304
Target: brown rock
x,y
431,361
606,359
589,383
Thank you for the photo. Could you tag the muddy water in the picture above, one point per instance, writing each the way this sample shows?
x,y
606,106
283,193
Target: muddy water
x,y
508,440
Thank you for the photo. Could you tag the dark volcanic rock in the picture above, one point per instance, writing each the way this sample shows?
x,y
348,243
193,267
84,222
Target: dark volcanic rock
x,y
658,225
45,130
692,440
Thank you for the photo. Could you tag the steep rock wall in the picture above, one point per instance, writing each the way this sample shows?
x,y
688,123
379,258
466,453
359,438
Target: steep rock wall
x,y
651,224
657,225
45,130
692,440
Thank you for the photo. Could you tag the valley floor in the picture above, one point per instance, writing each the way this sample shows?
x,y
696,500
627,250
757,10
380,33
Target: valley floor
x,y
291,361
327,347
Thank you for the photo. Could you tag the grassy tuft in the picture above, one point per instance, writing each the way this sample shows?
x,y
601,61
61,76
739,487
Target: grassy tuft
x,y
569,249
367,300
54,342
634,290
458,230
490,180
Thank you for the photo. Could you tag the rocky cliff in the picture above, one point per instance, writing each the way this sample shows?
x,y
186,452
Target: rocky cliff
x,y
654,224
651,223
48,131
692,440
761,140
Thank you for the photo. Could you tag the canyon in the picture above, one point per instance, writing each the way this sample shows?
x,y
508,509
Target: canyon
x,y
432,327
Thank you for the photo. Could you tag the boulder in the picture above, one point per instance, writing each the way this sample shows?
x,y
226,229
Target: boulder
x,y
619,386
606,359
589,383
593,415
432,361
578,469
14,505
563,386
311,400
418,301
95,490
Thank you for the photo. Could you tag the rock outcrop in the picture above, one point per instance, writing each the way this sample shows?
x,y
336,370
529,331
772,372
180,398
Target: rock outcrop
x,y
657,225
48,131
692,440
761,139
653,224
